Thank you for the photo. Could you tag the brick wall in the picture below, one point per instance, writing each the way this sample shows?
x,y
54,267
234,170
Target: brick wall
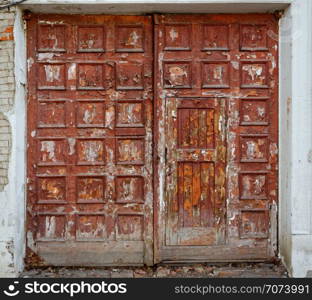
x,y
7,86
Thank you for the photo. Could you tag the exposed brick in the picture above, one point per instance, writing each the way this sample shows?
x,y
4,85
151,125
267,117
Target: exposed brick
x,y
5,137
3,181
4,73
8,15
6,28
4,164
4,57
4,128
5,141
4,45
3,80
3,157
6,22
6,36
7,87
4,150
11,79
5,94
3,173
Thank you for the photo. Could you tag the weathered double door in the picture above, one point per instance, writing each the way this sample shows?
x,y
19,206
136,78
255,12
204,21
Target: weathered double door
x,y
151,139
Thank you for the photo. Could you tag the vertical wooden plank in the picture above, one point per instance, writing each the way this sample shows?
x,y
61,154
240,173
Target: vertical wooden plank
x,y
194,128
206,209
184,126
187,195
210,129
196,194
211,184
172,173
180,196
202,128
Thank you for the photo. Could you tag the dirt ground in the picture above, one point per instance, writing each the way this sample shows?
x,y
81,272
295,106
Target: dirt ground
x,y
235,270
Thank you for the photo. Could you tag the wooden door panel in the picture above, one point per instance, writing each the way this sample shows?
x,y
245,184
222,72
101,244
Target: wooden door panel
x,y
90,194
216,121
193,144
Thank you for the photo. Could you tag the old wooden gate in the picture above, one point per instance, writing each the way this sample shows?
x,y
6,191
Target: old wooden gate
x,y
92,199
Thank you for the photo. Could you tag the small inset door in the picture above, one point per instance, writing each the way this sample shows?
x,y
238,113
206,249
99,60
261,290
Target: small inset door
x,y
195,166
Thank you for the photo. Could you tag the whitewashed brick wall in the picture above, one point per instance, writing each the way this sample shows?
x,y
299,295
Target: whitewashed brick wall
x,y
7,88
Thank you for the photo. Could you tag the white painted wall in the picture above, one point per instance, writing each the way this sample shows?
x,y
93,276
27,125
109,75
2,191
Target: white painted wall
x,y
12,204
19,141
295,144
296,138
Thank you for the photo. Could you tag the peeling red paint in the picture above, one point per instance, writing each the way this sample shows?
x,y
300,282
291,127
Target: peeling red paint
x,y
90,142
216,136
91,159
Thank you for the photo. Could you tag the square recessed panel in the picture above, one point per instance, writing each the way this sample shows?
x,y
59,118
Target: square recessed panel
x,y
90,189
129,189
129,38
215,75
130,228
253,37
51,190
51,114
51,227
51,38
130,114
129,76
52,152
254,148
177,37
91,39
254,74
215,37
91,76
130,151
90,227
254,112
177,74
253,186
254,224
51,76
90,152
90,114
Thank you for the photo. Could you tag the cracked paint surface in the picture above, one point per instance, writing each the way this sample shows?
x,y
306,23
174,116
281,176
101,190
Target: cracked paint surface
x,y
215,141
